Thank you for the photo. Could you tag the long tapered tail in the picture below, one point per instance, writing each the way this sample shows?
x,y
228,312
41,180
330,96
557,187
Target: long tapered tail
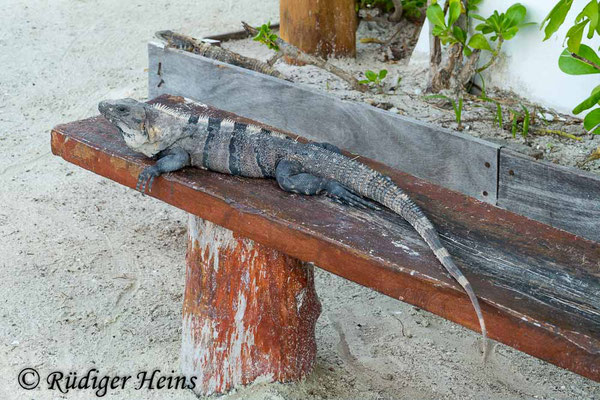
x,y
400,203
380,188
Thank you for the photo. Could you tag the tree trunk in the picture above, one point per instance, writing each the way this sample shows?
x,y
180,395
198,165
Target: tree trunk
x,y
447,74
319,27
249,312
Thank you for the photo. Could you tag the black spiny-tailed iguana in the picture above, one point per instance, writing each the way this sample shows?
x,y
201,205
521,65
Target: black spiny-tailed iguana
x,y
187,43
181,140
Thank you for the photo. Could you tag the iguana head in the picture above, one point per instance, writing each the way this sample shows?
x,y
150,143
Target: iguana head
x,y
146,129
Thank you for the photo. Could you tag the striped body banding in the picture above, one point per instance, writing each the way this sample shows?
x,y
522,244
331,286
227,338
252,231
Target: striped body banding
x,y
230,147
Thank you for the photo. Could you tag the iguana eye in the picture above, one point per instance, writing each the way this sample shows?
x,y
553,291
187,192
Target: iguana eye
x,y
122,109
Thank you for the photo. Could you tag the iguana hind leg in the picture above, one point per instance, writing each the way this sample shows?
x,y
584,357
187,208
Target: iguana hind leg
x,y
291,178
171,160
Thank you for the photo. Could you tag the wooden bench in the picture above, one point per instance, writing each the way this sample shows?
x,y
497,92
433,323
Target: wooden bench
x,y
539,286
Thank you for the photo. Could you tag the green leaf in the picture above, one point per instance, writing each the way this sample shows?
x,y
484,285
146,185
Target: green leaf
x,y
510,33
499,114
478,41
556,17
383,73
589,102
435,15
484,28
372,76
438,30
592,12
573,66
513,129
515,15
473,5
459,34
574,36
525,120
364,81
527,24
475,16
591,121
439,96
458,111
467,51
454,11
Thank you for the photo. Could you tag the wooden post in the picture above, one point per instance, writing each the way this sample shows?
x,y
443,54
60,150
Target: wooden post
x,y
320,27
249,312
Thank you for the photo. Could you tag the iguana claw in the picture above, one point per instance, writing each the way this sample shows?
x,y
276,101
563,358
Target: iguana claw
x,y
342,195
146,179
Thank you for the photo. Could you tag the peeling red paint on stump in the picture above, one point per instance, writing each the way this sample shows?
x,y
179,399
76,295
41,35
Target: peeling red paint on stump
x,y
249,311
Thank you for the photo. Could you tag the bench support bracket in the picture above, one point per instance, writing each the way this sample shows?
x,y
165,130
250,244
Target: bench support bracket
x,y
249,312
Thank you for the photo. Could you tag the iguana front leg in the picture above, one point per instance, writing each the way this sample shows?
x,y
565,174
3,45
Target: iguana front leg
x,y
291,178
169,161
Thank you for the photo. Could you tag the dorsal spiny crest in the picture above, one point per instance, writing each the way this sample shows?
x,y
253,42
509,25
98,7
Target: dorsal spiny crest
x,y
170,111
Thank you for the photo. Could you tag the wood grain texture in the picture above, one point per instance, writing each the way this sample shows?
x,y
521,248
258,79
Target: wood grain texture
x,y
452,160
539,286
249,312
322,27
562,197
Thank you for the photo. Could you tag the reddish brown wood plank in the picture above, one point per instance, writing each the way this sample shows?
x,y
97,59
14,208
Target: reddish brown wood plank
x,y
539,285
324,28
249,312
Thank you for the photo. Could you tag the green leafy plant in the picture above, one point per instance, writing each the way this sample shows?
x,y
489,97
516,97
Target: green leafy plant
x,y
578,58
526,121
498,108
456,105
473,5
524,118
501,27
374,79
497,27
449,27
556,17
443,27
267,37
412,8
498,112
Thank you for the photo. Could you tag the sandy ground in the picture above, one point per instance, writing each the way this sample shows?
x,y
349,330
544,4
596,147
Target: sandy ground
x,y
92,273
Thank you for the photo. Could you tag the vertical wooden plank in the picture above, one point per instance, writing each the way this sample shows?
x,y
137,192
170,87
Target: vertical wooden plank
x,y
324,27
453,160
565,198
249,312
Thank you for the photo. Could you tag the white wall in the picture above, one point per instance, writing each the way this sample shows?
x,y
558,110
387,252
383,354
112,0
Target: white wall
x,y
528,66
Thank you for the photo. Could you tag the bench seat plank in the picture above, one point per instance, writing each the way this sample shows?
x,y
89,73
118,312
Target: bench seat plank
x,y
539,286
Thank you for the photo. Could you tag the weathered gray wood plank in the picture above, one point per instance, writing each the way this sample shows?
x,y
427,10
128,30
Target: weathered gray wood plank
x,y
563,197
452,160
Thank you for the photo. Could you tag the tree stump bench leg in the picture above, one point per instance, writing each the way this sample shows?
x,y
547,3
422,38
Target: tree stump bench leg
x,y
249,312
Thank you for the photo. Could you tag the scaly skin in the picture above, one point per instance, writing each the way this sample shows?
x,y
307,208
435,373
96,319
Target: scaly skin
x,y
182,140
187,43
